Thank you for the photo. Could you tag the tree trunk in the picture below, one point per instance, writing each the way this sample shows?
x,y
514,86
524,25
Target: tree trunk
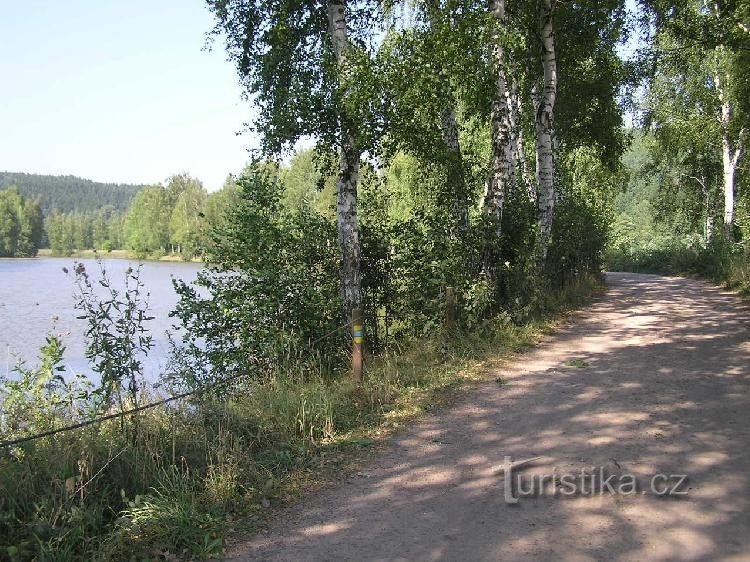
x,y
522,168
710,222
503,125
731,154
456,179
348,228
349,160
544,124
728,184
727,159
710,217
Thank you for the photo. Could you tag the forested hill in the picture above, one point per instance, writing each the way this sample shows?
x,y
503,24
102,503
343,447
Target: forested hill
x,y
70,193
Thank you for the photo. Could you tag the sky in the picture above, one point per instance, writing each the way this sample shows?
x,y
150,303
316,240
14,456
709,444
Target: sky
x,y
118,91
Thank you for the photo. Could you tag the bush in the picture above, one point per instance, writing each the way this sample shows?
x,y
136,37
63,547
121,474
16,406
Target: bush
x,y
267,295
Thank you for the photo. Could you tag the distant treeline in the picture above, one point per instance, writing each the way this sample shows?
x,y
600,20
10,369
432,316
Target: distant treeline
x,y
81,215
175,218
170,219
69,193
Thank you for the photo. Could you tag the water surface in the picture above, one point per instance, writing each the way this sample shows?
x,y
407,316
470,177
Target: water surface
x,y
37,297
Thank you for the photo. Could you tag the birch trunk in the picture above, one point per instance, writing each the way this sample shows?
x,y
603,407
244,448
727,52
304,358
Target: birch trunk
x,y
456,178
728,168
728,184
503,125
545,135
346,185
348,227
731,154
710,221
522,167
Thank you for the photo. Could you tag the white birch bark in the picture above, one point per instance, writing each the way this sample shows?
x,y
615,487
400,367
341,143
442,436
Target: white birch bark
x,y
731,153
729,194
731,150
545,135
710,217
725,117
504,139
349,161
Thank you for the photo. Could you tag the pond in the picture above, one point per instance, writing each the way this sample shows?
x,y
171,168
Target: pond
x,y
37,298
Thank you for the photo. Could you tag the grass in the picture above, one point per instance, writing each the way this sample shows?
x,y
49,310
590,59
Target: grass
x,y
113,254
184,480
577,362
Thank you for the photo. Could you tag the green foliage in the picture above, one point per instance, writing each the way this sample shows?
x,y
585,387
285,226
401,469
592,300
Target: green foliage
x,y
62,516
34,398
270,285
117,338
582,222
170,519
20,225
160,220
147,222
71,232
285,60
193,472
186,224
37,399
670,216
219,203
262,336
593,77
305,186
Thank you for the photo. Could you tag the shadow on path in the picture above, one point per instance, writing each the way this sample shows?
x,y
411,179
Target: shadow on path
x,y
661,386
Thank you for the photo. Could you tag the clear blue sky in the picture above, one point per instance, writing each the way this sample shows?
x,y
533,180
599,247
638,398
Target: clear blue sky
x,y
119,91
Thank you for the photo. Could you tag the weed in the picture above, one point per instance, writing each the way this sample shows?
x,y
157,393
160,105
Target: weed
x,y
577,362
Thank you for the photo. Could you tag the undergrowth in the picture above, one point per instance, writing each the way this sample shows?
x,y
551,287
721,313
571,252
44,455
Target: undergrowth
x,y
725,265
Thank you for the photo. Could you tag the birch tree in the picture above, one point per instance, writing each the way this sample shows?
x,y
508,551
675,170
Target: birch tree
x,y
545,132
349,161
503,122
733,135
449,129
732,147
308,77
422,66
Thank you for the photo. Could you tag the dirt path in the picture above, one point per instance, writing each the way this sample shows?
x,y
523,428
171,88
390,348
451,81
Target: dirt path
x,y
660,386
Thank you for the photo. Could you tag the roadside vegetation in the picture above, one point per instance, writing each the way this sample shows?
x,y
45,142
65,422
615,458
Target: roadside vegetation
x,y
662,224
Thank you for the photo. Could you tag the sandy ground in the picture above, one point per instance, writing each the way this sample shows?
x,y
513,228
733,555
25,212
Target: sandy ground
x,y
652,379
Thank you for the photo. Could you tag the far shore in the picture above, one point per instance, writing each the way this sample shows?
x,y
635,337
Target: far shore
x,y
114,255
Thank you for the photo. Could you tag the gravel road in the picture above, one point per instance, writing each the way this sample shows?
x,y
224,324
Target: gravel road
x,y
651,379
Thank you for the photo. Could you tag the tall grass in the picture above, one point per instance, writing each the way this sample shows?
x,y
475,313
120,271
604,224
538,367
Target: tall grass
x,y
197,471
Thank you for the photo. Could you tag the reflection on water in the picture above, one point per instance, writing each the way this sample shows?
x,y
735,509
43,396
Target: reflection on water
x,y
36,297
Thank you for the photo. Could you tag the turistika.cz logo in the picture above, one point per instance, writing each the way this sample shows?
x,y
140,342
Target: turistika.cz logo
x,y
590,481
